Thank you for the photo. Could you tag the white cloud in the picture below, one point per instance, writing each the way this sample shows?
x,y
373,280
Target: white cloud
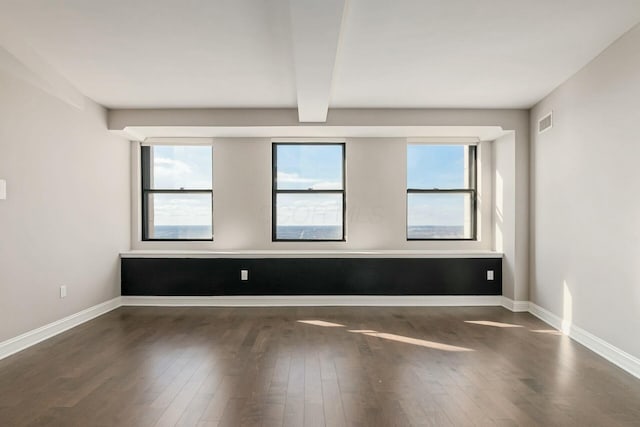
x,y
293,178
172,173
296,181
436,212
169,173
182,210
172,166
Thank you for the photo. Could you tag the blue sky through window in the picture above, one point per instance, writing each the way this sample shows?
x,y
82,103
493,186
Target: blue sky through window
x,y
436,167
309,166
182,166
302,167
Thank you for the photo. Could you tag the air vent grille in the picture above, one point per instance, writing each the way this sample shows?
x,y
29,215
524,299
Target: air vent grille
x,y
545,123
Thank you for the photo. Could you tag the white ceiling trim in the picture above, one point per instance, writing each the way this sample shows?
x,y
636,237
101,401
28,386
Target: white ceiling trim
x,y
315,32
445,140
300,133
20,60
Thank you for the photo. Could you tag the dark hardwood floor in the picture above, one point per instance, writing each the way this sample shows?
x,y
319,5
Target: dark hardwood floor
x,y
144,366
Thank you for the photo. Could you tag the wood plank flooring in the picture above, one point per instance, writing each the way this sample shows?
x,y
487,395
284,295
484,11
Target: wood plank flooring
x,y
314,366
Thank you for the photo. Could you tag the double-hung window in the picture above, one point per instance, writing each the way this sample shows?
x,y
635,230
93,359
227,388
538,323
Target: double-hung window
x,y
308,192
177,192
441,192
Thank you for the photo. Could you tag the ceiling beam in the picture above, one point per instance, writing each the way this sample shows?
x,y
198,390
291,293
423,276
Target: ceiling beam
x,y
315,31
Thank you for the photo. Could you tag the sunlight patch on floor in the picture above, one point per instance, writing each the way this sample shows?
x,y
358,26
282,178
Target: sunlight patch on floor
x,y
321,323
390,337
494,324
413,341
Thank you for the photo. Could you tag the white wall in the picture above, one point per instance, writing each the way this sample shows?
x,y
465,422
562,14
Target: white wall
x,y
375,190
585,253
504,208
66,216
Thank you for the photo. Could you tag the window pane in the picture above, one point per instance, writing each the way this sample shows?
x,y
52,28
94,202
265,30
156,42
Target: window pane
x,y
309,216
437,166
181,166
179,216
439,216
311,166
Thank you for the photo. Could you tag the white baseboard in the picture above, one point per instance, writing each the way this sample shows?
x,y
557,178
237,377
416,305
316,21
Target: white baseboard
x,y
546,316
316,300
19,343
613,354
516,306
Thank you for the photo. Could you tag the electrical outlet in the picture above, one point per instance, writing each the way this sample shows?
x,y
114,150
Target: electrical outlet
x,y
489,274
244,275
63,291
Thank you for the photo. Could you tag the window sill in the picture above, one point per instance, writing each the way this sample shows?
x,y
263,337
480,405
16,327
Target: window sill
x,y
309,254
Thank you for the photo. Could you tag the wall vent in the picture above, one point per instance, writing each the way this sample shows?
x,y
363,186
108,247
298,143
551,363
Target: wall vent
x,y
545,123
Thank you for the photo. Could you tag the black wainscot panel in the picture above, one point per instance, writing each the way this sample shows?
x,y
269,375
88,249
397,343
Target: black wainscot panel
x,y
310,276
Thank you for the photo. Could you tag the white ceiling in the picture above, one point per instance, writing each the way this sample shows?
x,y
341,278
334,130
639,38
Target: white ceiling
x,y
163,53
388,54
470,53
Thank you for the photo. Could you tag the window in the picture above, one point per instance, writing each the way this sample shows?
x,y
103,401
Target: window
x,y
308,192
177,192
441,192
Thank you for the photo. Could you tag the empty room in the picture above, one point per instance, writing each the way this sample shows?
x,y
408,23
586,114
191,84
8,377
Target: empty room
x,y
319,213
